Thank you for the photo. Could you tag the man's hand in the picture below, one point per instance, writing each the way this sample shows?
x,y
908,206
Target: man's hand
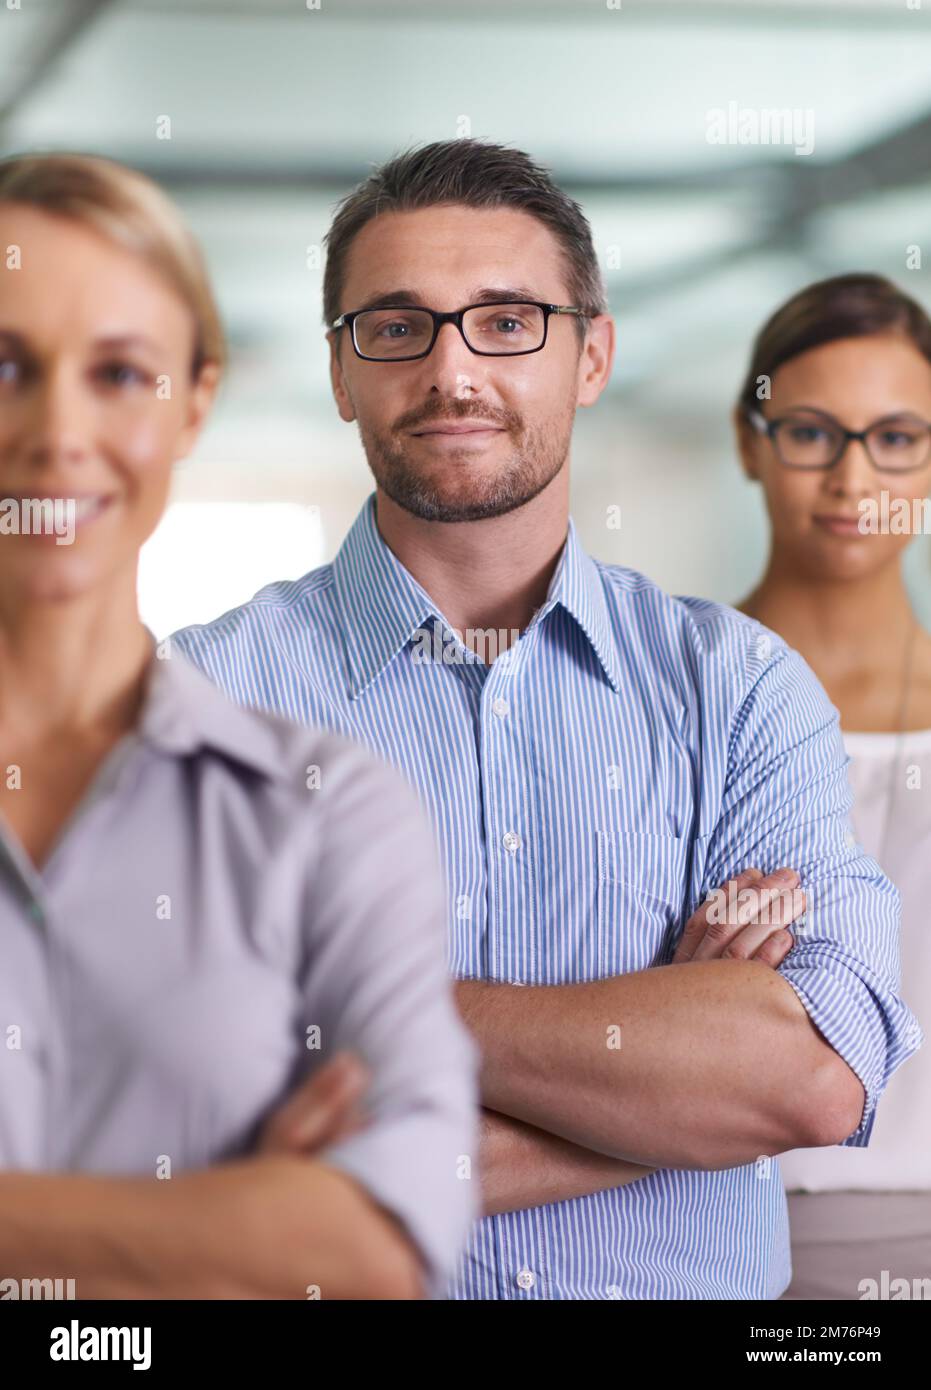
x,y
748,923
322,1110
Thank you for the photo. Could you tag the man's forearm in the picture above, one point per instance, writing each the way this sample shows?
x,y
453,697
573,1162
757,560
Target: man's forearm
x,y
261,1228
526,1167
704,1065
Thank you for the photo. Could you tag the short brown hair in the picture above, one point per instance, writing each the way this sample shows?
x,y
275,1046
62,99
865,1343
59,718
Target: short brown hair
x,y
858,305
475,174
130,210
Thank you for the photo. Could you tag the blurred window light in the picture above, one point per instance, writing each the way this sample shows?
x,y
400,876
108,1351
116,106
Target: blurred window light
x,y
207,557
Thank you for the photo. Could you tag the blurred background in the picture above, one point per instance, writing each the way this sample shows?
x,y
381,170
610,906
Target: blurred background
x,y
278,108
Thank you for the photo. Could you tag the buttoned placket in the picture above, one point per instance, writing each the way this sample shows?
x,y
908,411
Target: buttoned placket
x,y
505,836
509,853
35,888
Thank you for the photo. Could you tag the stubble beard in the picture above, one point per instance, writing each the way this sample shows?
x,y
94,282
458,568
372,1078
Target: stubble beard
x,y
532,464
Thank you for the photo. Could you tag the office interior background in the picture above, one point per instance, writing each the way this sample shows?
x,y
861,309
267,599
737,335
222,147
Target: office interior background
x,y
277,108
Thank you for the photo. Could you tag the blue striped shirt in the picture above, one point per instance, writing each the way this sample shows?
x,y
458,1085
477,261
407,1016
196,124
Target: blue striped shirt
x,y
630,752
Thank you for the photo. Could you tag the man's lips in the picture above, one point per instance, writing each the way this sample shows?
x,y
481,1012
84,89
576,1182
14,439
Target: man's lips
x,y
477,427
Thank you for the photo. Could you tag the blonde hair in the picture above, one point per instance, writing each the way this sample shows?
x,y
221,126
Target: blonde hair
x,y
131,210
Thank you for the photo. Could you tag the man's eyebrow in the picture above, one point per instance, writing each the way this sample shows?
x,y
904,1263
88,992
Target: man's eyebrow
x,y
509,292
482,295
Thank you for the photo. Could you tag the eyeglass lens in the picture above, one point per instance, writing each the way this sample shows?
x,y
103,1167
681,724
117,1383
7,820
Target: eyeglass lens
x,y
806,441
493,328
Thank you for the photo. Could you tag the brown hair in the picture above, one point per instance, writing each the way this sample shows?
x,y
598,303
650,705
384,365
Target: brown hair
x,y
130,210
476,174
846,306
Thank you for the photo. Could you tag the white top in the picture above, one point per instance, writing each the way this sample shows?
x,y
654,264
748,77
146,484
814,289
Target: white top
x,y
898,1157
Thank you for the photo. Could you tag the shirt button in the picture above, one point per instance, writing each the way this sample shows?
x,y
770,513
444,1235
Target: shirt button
x,y
511,841
501,708
525,1279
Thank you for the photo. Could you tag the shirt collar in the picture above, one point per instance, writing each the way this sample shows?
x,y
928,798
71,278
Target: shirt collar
x,y
383,605
183,712
578,587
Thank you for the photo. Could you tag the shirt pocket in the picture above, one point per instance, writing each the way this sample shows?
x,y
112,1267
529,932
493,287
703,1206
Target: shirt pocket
x,y
640,893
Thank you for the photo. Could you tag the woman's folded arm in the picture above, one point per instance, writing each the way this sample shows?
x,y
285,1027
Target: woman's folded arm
x,y
271,1227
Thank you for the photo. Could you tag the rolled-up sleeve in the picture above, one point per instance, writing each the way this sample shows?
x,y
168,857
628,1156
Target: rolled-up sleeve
x,y
377,985
787,801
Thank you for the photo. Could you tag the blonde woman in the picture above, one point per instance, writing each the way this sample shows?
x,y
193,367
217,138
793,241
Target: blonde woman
x,y
231,1065
834,423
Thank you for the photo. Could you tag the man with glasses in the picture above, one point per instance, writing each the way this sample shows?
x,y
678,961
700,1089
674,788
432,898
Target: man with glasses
x,y
598,758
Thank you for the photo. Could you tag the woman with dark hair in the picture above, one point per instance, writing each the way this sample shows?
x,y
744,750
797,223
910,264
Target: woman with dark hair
x,y
834,422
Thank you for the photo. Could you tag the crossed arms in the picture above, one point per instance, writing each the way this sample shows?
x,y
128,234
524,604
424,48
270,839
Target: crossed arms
x,y
238,1230
719,1063
733,1050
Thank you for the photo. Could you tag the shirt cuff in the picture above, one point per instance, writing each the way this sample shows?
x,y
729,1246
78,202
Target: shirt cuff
x,y
862,1019
431,1192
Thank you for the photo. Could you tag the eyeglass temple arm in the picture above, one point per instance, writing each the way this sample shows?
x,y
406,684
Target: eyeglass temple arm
x,y
758,420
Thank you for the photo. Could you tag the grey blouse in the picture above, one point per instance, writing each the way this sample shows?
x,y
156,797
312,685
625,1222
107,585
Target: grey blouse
x,y
235,899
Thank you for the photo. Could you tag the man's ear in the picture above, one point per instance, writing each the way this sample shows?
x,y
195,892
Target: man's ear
x,y
203,395
337,380
747,439
596,359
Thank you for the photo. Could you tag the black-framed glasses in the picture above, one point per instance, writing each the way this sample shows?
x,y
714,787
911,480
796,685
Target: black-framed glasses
x,y
497,328
898,443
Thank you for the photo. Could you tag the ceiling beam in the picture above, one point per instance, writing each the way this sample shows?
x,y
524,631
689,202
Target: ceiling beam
x,y
59,33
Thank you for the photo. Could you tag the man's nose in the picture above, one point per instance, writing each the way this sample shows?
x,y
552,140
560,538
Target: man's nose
x,y
455,370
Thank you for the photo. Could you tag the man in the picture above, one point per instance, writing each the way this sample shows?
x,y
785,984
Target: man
x,y
597,756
